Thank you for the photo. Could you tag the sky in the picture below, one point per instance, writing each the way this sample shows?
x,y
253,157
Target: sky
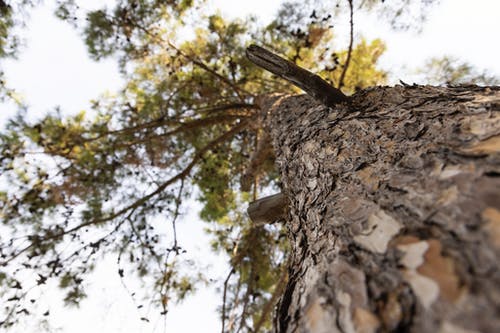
x,y
54,70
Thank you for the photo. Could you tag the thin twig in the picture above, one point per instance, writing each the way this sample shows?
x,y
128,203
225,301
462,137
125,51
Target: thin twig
x,y
226,282
236,303
349,51
176,214
246,298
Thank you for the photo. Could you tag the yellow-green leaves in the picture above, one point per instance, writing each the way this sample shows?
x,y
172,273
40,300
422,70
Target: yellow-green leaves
x,y
362,71
216,24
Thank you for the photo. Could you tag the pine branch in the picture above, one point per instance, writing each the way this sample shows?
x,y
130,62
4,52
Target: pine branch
x,y
180,176
162,121
184,127
202,65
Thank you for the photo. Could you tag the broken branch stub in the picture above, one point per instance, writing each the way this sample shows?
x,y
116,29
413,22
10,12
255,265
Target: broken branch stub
x,y
311,83
268,209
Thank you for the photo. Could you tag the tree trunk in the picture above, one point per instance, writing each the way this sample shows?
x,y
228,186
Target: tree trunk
x,y
394,210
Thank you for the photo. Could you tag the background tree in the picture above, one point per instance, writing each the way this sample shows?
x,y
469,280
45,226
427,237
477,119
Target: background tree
x,y
189,121
449,70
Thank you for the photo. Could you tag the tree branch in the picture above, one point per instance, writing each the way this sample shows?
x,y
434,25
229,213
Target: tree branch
x,y
162,121
204,66
262,151
226,282
227,107
176,215
311,83
197,123
197,62
184,173
349,51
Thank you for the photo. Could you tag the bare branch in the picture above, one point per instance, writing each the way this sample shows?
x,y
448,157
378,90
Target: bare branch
x,y
267,210
349,51
311,83
227,107
176,214
226,282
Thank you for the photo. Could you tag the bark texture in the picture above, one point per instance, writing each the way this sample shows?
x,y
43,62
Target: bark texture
x,y
394,210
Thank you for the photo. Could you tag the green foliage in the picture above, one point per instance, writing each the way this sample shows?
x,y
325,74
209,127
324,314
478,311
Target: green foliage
x,y
132,26
362,73
7,42
99,31
214,177
65,10
12,15
186,122
449,70
72,283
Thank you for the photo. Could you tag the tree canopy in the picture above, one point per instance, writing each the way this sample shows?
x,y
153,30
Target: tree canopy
x,y
188,122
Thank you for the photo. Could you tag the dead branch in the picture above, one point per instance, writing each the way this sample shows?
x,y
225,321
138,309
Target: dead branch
x,y
349,51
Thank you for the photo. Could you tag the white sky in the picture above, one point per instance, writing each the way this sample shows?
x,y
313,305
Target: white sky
x,y
55,70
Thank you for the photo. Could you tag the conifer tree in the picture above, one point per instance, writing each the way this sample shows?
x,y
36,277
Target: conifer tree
x,y
188,122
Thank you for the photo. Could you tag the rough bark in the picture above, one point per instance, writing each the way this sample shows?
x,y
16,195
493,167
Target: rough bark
x,y
394,210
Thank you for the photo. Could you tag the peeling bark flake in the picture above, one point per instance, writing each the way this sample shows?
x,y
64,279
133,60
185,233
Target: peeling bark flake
x,y
379,231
